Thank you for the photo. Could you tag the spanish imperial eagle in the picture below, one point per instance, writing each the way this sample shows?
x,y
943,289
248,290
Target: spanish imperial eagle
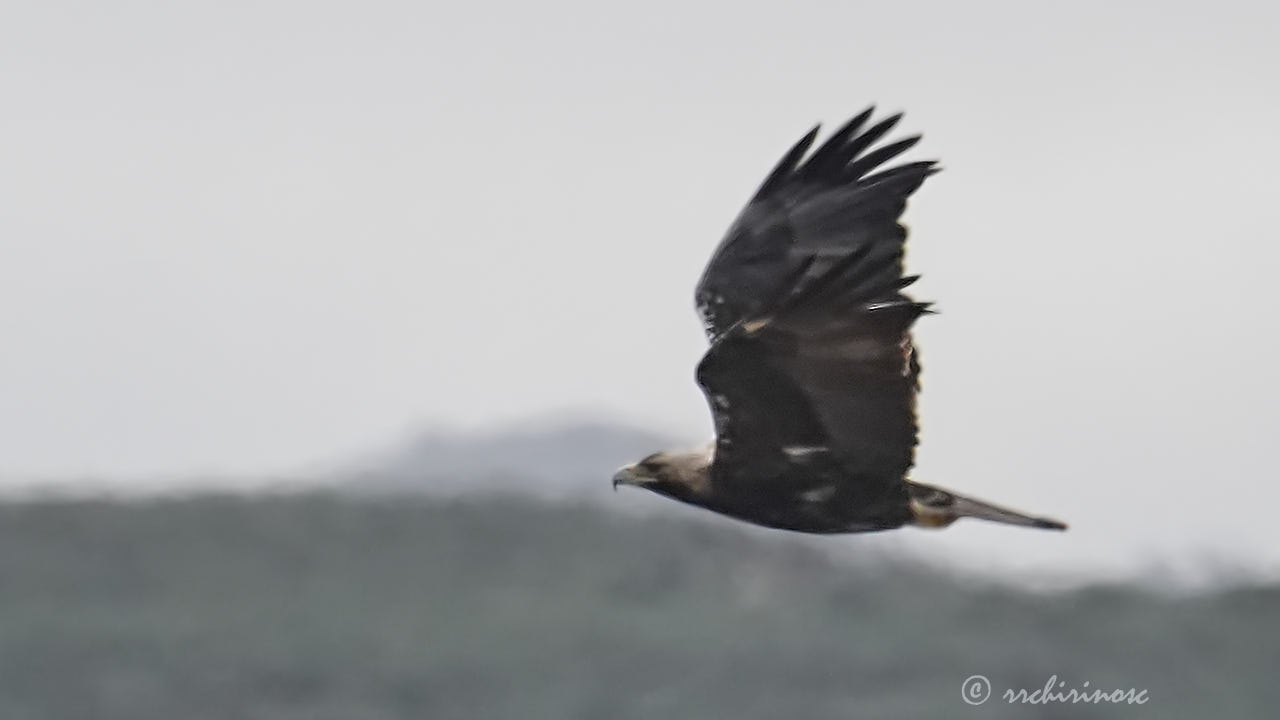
x,y
812,374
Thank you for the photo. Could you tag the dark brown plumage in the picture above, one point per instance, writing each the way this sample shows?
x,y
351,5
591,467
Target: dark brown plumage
x,y
812,374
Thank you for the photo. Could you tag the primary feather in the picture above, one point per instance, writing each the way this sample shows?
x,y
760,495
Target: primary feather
x,y
809,213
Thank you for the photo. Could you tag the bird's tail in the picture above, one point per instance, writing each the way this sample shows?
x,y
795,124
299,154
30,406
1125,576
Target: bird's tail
x,y
935,507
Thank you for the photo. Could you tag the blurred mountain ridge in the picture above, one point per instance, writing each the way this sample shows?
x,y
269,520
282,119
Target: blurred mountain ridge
x,y
550,456
328,607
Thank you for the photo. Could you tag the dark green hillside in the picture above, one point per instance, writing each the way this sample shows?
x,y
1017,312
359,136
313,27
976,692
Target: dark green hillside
x,y
323,608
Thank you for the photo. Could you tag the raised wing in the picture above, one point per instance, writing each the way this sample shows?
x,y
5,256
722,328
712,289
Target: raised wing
x,y
811,214
819,390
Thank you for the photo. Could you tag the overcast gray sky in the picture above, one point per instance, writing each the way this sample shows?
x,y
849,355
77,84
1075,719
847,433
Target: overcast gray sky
x,y
246,237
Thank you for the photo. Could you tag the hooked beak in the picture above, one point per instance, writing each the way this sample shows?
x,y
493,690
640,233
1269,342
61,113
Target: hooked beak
x,y
628,475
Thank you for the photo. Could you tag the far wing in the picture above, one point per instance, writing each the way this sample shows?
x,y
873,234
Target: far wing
x,y
811,214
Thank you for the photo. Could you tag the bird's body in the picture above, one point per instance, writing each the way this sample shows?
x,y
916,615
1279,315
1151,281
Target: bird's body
x,y
812,374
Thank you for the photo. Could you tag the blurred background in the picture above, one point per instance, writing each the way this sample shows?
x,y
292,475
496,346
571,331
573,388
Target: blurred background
x,y
323,326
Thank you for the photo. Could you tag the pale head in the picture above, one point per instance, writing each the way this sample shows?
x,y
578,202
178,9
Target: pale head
x,y
680,475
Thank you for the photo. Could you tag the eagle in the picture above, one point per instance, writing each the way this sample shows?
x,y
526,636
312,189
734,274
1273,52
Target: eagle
x,y
811,374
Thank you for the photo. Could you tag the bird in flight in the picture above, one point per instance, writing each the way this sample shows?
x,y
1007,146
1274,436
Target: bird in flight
x,y
812,375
